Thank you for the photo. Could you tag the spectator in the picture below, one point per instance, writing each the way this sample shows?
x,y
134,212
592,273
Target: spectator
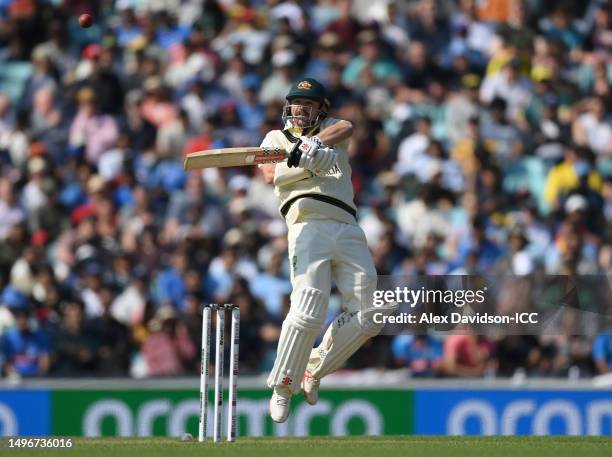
x,y
516,354
250,110
412,150
571,251
25,347
422,354
42,76
428,27
259,330
140,132
602,352
129,306
500,136
101,78
169,285
558,25
168,350
467,355
276,86
518,259
593,129
58,48
370,56
271,286
11,212
346,27
172,138
510,86
7,117
46,123
22,273
94,131
566,176
74,349
112,338
34,195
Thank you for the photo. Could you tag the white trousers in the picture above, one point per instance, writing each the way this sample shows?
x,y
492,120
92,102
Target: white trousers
x,y
321,250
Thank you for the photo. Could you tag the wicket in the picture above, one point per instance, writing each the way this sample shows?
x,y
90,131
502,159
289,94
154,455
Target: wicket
x,y
233,372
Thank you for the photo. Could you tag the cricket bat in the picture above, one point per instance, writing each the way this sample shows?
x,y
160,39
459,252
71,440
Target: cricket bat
x,y
233,157
241,157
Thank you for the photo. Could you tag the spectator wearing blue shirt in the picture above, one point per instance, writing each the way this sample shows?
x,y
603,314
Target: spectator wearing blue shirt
x,y
250,111
487,251
25,347
169,286
559,26
271,286
170,33
11,298
128,29
421,353
602,352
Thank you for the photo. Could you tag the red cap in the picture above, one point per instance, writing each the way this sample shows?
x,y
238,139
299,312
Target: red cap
x,y
92,51
40,238
82,212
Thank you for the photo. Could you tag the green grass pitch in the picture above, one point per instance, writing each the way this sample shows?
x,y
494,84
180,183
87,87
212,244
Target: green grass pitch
x,y
405,446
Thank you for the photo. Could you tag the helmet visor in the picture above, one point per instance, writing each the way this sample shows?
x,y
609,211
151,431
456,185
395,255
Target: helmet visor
x,y
300,116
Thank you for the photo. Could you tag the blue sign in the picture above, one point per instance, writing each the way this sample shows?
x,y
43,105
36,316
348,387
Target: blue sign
x,y
513,412
25,413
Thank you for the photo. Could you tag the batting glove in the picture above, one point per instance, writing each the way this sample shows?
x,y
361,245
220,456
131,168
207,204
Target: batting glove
x,y
322,161
308,149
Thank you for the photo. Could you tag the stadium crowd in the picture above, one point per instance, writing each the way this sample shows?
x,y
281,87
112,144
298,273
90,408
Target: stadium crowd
x,y
483,143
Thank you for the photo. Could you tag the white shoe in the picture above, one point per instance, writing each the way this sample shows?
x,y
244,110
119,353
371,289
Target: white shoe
x,y
310,387
279,404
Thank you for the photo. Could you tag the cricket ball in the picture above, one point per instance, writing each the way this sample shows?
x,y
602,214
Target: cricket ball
x,y
85,20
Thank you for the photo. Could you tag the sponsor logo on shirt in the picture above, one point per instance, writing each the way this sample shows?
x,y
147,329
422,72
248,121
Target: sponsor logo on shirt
x,y
334,171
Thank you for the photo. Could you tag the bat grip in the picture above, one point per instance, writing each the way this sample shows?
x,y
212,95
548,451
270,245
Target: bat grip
x,y
294,156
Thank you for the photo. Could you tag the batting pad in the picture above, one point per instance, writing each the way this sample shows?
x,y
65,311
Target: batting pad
x,y
347,333
298,334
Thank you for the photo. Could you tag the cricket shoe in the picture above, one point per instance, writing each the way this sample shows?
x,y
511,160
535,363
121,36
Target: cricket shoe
x,y
279,404
310,387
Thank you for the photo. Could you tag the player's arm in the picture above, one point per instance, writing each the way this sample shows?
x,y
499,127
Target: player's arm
x,y
267,170
317,153
336,133
285,177
281,175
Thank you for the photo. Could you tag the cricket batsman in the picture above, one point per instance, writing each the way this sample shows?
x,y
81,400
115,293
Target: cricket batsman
x,y
325,243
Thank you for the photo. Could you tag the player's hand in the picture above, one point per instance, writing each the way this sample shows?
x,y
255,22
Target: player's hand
x,y
308,148
324,161
327,160
306,145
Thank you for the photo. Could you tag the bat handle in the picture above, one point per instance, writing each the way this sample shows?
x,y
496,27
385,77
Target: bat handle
x,y
294,156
